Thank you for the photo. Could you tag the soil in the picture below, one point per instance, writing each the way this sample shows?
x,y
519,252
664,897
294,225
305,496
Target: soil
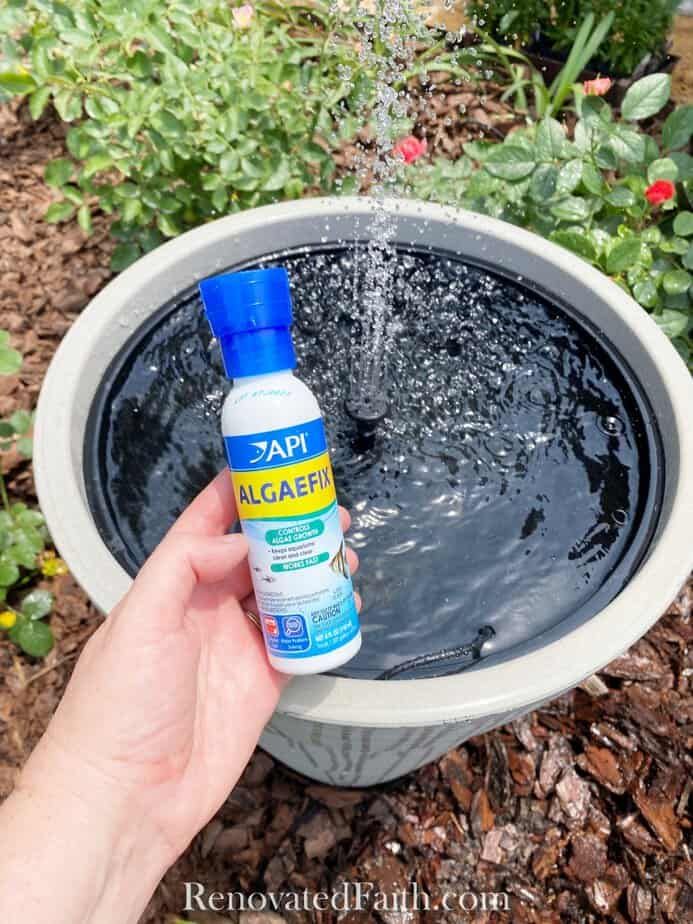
x,y
580,811
683,47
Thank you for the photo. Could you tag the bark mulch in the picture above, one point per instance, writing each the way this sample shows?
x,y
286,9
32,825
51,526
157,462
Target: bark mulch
x,y
580,811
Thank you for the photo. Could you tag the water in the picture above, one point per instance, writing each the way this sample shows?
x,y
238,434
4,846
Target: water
x,y
388,30
502,495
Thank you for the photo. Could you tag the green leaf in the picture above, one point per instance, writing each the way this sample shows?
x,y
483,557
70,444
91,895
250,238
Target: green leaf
x,y
168,124
627,144
572,209
673,323
30,518
622,255
68,104
167,226
23,553
592,179
677,282
606,157
479,150
220,198
677,245
37,604
662,169
682,348
38,101
646,97
6,430
21,421
17,82
25,447
10,360
59,211
688,258
543,183
130,210
596,110
58,172
577,241
621,197
510,162
645,293
678,128
9,572
228,165
683,224
569,177
34,638
95,164
123,256
550,140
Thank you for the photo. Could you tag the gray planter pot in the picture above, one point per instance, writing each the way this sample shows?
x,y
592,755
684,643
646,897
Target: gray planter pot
x,y
359,732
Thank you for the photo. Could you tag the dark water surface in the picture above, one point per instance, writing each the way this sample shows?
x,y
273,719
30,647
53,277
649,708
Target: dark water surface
x,y
508,494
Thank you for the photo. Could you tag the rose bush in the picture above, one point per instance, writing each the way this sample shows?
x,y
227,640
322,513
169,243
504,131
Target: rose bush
x,y
184,110
607,191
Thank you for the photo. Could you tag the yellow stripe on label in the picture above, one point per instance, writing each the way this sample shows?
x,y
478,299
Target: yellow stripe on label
x,y
296,490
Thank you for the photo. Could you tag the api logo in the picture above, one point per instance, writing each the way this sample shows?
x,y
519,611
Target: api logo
x,y
268,450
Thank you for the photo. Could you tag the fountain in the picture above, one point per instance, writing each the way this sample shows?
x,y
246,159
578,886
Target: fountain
x,y
521,484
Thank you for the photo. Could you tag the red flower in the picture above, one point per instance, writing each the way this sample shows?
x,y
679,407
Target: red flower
x,y
659,192
410,149
598,87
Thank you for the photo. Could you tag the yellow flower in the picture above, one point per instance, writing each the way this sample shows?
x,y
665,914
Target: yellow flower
x,y
243,16
52,566
7,619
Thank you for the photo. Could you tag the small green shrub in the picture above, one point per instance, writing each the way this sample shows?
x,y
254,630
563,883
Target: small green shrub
x,y
640,27
609,193
182,110
23,537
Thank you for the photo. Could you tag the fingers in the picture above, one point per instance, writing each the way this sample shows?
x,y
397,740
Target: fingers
x,y
179,564
212,512
352,561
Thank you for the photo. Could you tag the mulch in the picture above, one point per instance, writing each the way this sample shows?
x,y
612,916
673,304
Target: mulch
x,y
580,811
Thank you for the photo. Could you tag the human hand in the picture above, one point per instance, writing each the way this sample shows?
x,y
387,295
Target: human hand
x,y
170,695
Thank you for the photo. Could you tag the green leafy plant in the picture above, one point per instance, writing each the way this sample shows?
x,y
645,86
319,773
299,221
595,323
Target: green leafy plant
x,y
606,191
640,27
23,536
26,627
16,429
523,76
183,110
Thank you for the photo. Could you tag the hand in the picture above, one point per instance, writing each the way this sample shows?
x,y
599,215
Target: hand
x,y
169,697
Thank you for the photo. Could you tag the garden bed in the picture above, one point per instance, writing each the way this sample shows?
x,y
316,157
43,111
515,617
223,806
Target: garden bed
x,y
580,811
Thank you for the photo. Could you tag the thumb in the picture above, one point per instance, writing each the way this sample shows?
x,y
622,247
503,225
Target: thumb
x,y
184,560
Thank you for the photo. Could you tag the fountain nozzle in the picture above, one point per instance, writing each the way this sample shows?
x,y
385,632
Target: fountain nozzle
x,y
367,413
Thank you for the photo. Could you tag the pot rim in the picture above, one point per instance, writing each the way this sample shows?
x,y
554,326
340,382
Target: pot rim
x,y
511,686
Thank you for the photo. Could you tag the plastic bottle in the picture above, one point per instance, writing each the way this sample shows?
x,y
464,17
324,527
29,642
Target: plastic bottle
x,y
282,475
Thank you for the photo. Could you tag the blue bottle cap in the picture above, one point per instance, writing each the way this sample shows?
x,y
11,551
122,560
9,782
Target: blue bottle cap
x,y
250,315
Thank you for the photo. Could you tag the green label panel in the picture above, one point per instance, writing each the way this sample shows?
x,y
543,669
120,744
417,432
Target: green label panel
x,y
302,563
298,532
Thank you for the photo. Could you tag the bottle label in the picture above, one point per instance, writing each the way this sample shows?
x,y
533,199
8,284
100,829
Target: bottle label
x,y
287,503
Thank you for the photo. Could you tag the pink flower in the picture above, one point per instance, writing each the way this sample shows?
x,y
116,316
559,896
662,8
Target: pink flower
x,y
243,16
410,149
598,87
660,192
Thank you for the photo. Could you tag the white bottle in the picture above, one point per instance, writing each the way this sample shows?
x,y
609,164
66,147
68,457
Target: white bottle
x,y
282,476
